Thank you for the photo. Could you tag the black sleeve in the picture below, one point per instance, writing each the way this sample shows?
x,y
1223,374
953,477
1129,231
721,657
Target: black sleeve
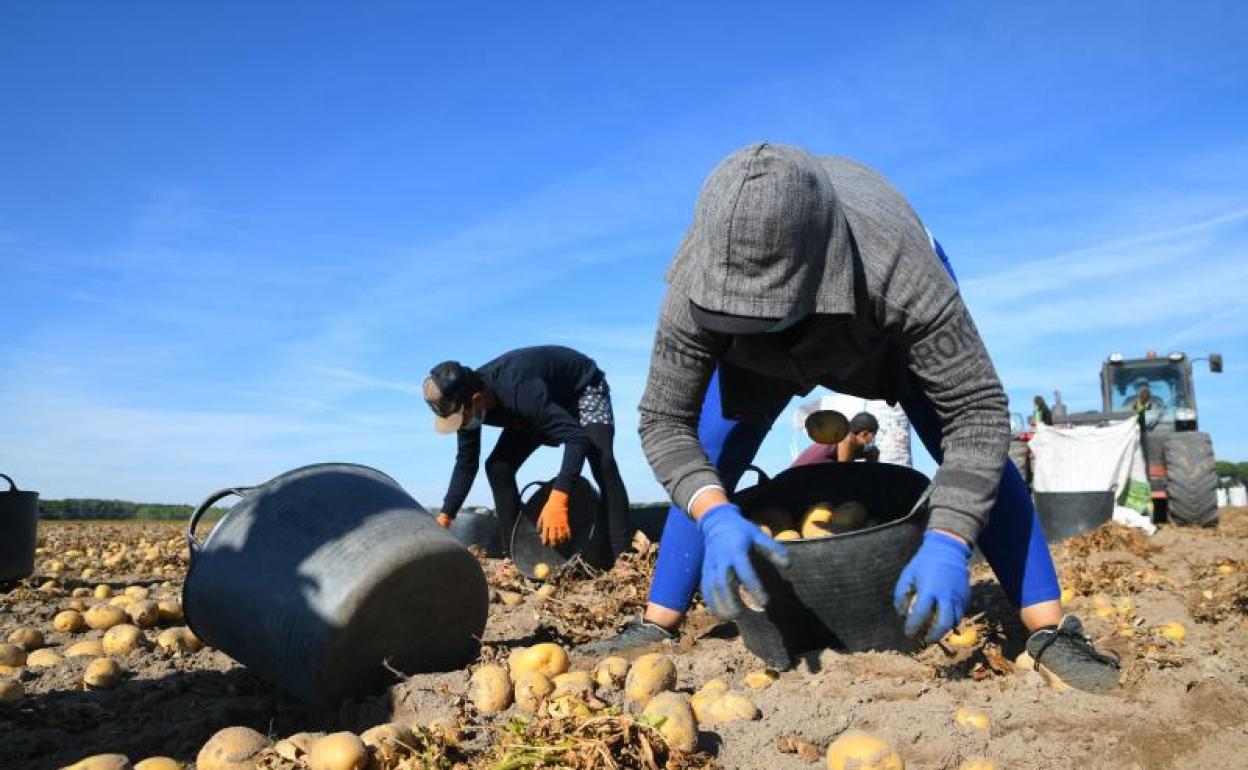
x,y
556,424
467,459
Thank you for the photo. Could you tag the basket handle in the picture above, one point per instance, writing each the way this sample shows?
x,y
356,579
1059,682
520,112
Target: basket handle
x,y
923,498
193,541
526,489
763,478
12,484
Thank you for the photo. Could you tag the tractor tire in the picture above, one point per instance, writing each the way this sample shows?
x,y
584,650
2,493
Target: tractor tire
x,y
1021,457
1193,480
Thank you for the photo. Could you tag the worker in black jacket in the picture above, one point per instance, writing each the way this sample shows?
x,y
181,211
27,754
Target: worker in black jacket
x,y
546,395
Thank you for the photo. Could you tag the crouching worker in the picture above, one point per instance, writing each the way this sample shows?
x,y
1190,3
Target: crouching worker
x,y
548,395
800,272
858,444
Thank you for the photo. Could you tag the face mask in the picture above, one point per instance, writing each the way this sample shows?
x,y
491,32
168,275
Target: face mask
x,y
473,423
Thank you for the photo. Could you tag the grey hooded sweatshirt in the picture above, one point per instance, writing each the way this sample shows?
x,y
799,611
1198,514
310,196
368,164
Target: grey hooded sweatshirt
x,y
780,234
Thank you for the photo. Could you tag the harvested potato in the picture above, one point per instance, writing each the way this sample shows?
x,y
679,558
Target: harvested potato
x,y
45,657
818,522
678,727
296,745
977,763
124,639
963,638
388,734
1174,631
338,751
546,591
136,592
757,680
78,605
532,687
90,648
27,638
231,748
178,640
10,670
547,657
972,719
649,675
510,598
567,705
11,690
144,613
573,683
102,674
102,762
774,519
700,700
541,571
848,516
730,707
1226,569
121,600
858,750
827,426
610,672
1068,596
104,616
69,622
788,534
1024,662
160,763
170,611
12,655
491,689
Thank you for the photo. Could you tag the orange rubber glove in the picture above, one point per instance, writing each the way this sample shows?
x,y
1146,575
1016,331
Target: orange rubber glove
x,y
554,519
444,521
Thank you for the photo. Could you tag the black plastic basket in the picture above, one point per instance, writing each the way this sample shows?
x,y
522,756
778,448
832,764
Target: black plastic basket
x,y
584,516
837,591
1066,514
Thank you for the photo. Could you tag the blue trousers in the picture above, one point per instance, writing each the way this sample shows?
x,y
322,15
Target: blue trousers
x,y
1013,541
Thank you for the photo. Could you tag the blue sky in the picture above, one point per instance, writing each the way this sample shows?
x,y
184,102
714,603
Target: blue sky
x,y
234,237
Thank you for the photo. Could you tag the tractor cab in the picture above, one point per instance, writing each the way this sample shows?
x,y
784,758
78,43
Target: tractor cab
x,y
1159,388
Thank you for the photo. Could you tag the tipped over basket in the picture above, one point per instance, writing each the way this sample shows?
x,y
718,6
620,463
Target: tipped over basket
x,y
837,591
327,577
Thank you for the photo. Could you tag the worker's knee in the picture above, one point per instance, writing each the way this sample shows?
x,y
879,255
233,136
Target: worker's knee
x,y
499,469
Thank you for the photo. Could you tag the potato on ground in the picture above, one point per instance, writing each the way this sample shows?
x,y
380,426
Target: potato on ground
x,y
532,687
178,640
388,734
45,657
124,639
547,657
69,622
610,672
338,751
678,726
232,748
700,700
145,613
102,617
88,648
160,763
102,674
730,707
102,762
12,655
573,683
490,689
858,750
11,690
649,675
972,719
27,638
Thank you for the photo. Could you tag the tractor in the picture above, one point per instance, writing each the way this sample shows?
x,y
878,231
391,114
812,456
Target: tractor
x,y
1178,456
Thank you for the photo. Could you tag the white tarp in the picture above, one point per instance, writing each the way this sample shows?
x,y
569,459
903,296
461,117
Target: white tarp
x,y
1089,459
893,438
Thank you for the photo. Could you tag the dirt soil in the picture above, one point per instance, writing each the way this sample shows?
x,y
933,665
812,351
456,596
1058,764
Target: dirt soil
x,y
1181,704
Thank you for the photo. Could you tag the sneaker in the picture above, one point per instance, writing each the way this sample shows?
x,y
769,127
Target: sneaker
x,y
636,633
1064,654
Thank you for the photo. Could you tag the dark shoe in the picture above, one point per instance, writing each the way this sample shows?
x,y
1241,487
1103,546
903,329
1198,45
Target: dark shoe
x,y
1065,654
636,633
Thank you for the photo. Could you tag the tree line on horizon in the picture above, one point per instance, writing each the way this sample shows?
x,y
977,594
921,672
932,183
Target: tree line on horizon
x,y
87,508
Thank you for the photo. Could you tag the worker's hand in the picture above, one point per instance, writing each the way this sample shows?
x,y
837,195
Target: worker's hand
x,y
444,521
554,519
727,541
940,583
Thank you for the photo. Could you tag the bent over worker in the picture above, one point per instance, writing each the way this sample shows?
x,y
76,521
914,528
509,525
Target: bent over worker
x,y
546,395
800,272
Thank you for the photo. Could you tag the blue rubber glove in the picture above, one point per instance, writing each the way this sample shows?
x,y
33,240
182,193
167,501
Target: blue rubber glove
x,y
727,541
940,581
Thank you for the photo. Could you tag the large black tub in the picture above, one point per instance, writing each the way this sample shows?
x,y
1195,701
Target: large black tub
x,y
1066,514
837,592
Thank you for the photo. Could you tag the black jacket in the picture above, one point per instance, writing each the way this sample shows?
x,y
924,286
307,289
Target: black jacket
x,y
537,390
